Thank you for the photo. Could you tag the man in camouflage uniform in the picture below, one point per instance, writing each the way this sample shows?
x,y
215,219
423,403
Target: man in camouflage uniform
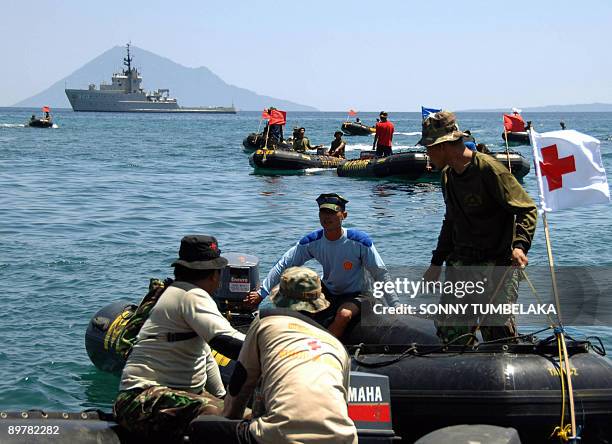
x,y
487,230
170,376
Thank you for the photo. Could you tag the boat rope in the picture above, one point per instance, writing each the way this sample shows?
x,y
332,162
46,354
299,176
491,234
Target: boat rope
x,y
562,432
537,296
565,432
507,149
411,351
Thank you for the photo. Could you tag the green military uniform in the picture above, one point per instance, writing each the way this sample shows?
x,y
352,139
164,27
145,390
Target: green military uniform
x,y
301,145
488,214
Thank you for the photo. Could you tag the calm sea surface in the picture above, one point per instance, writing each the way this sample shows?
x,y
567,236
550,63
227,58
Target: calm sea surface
x,y
89,211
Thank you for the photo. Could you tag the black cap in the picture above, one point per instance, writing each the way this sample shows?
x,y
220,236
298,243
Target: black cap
x,y
200,252
332,201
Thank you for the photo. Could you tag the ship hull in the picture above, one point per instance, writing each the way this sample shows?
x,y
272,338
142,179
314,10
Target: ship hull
x,y
98,101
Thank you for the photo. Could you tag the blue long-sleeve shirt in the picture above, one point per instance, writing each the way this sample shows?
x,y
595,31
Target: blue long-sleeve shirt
x,y
343,261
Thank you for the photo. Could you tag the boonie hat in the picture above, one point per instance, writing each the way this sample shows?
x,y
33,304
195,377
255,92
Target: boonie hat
x,y
300,290
332,201
200,252
440,127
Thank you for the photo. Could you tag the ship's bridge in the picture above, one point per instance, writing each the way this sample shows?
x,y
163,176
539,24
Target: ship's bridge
x,y
127,81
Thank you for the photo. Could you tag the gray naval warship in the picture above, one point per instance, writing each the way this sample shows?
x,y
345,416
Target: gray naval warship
x,y
125,95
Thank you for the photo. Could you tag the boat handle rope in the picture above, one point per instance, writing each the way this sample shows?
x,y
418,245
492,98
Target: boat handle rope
x,y
568,432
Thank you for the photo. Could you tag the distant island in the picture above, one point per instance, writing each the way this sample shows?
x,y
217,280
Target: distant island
x,y
191,86
581,108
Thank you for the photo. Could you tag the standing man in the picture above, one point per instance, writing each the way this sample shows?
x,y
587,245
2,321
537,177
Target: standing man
x,y
276,130
165,383
302,369
488,226
384,136
344,255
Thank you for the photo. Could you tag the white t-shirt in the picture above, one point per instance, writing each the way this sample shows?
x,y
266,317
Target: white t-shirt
x,y
182,364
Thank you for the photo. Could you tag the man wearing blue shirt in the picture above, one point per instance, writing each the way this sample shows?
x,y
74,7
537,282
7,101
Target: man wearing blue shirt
x,y
344,255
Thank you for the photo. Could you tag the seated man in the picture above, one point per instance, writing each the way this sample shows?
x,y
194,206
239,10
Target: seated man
x,y
303,374
344,255
337,146
165,380
301,142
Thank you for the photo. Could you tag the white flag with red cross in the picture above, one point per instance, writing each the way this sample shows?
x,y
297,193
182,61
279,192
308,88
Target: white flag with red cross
x,y
569,170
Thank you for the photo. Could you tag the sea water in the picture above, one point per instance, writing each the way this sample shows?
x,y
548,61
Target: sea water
x,y
92,209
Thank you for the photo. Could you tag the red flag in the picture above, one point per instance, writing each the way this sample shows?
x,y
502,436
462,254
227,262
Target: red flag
x,y
45,109
278,117
265,115
514,123
352,112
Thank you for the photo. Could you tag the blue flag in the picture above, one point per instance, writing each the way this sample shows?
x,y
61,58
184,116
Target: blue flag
x,y
425,112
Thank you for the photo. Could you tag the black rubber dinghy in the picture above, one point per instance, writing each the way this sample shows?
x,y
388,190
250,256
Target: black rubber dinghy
x,y
40,123
513,385
432,385
291,160
357,129
415,165
517,137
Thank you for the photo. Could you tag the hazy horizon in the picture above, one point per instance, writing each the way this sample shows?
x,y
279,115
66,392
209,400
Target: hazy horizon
x,y
335,55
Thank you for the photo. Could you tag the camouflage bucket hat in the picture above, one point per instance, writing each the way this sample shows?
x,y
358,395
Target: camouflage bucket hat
x,y
440,127
300,290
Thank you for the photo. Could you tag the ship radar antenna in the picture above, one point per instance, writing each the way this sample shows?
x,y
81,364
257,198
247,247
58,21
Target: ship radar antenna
x,y
127,61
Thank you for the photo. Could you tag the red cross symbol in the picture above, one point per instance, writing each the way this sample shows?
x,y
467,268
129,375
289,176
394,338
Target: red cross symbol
x,y
554,168
314,345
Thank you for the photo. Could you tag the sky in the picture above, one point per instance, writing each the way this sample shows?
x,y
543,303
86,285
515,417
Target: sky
x,y
333,55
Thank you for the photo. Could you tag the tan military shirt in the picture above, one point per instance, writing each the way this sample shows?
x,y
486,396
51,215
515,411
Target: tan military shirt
x,y
181,365
304,381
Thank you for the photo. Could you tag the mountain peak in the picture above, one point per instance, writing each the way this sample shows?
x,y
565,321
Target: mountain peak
x,y
191,86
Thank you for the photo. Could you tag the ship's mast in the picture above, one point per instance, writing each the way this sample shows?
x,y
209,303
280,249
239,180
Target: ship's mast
x,y
127,61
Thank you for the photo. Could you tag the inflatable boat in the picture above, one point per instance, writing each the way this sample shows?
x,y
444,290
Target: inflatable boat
x,y
280,160
372,420
357,129
433,385
415,165
516,137
510,385
40,123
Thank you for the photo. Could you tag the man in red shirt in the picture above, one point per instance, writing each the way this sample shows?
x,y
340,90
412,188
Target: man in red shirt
x,y
384,136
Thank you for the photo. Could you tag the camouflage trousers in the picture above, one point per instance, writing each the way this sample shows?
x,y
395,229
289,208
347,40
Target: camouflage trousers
x,y
501,285
160,413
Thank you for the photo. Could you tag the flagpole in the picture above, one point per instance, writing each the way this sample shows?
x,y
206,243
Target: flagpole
x,y
507,147
267,133
559,332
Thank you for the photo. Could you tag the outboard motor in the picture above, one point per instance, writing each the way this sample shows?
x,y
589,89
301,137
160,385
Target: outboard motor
x,y
238,278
